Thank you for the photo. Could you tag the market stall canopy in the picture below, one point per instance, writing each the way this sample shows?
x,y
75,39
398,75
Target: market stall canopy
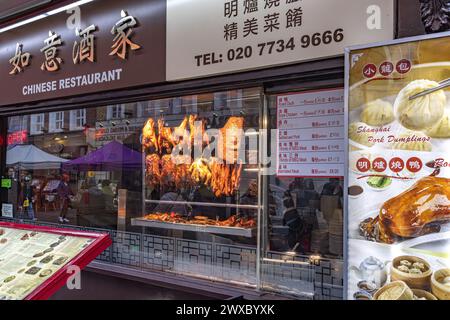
x,y
29,157
112,156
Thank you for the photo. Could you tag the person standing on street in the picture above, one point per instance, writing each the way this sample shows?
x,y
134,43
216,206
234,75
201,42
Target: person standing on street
x,y
64,193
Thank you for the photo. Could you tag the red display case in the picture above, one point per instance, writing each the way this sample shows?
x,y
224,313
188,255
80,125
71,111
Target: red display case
x,y
37,276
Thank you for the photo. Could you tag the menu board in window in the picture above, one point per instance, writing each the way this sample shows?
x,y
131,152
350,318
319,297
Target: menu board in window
x,y
311,139
35,261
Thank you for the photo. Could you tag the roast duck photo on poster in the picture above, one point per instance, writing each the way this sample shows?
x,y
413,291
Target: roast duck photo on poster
x,y
418,211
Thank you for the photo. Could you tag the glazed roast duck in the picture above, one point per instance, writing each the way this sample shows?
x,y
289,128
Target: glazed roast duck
x,y
417,211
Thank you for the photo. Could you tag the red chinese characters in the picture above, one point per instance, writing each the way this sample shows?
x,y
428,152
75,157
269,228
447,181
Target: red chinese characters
x,y
363,165
403,66
379,165
396,165
414,164
370,70
386,68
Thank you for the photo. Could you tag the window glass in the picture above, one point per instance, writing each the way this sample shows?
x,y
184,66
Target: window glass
x,y
77,119
115,112
91,168
304,231
36,123
56,121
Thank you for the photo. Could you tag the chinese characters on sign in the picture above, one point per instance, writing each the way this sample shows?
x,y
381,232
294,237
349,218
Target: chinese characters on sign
x,y
396,165
20,60
387,68
311,134
221,36
83,49
50,50
122,31
272,20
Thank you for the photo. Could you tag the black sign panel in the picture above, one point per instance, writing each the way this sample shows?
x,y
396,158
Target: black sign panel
x,y
99,46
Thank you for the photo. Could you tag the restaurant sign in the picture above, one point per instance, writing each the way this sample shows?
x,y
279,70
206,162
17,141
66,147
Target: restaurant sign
x,y
234,35
106,45
102,47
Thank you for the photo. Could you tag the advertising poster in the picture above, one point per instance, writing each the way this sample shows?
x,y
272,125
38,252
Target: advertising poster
x,y
399,171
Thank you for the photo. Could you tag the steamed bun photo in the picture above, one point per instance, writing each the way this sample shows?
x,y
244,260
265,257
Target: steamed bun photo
x,y
442,128
378,113
359,137
412,141
422,112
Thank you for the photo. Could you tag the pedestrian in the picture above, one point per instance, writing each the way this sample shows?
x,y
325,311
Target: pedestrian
x,y
26,197
65,194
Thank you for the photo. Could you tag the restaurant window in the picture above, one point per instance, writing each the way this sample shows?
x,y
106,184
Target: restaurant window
x,y
17,123
37,123
197,216
56,121
115,112
304,223
77,119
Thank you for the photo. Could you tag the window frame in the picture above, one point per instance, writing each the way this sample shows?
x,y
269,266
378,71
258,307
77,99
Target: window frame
x,y
52,122
74,118
34,123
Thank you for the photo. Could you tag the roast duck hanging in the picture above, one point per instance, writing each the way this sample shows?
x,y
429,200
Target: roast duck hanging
x,y
221,176
419,210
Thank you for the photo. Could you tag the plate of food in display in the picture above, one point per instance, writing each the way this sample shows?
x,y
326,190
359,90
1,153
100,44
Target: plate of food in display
x,y
234,225
379,183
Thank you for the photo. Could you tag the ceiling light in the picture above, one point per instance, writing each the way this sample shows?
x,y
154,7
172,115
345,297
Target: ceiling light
x,y
44,15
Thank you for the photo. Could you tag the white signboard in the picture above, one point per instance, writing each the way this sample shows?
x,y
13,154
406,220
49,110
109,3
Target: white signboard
x,y
311,139
206,37
7,210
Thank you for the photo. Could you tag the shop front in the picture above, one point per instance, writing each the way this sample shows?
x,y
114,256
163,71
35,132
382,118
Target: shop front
x,y
206,137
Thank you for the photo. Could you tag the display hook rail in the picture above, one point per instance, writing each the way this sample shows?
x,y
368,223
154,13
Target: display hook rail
x,y
207,204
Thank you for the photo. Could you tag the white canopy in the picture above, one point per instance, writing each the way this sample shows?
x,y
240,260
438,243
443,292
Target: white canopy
x,y
29,157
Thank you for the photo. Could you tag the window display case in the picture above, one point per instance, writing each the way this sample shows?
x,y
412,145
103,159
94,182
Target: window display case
x,y
201,169
35,261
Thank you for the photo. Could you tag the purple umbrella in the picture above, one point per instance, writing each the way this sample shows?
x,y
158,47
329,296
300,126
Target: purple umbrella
x,y
110,157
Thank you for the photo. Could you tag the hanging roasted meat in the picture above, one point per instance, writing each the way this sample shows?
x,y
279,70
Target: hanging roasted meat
x,y
200,172
152,170
417,211
225,178
197,129
149,138
236,176
230,139
168,170
181,175
180,133
165,138
216,170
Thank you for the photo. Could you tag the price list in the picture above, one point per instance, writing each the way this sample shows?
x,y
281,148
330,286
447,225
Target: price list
x,y
311,139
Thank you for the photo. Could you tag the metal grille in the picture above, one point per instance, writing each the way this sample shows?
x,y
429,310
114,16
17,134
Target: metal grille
x,y
158,253
194,257
235,263
126,248
321,279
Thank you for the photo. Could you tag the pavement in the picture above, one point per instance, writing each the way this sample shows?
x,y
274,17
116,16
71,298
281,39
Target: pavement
x,y
96,286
